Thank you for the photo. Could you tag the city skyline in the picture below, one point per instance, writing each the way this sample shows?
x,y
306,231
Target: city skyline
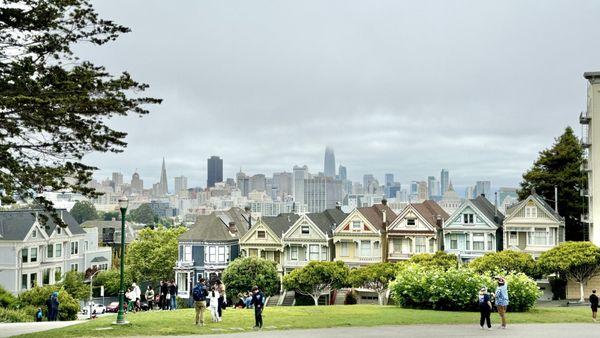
x,y
298,95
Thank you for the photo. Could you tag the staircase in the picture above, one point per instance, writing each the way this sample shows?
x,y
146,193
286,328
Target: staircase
x,y
273,300
340,297
288,298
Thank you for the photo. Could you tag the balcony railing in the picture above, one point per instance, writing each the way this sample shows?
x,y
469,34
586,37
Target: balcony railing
x,y
184,264
369,259
295,263
585,117
398,255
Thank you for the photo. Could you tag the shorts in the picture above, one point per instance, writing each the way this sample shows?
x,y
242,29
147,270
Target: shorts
x,y
501,309
594,308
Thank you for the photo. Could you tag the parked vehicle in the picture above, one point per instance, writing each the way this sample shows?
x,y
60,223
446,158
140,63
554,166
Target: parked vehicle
x,y
113,307
96,308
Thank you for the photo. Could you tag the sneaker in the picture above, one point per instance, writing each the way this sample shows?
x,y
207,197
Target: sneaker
x,y
482,327
489,329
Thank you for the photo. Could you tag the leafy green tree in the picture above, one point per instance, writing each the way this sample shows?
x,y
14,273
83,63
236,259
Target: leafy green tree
x,y
144,214
110,215
152,256
74,284
315,278
505,261
54,107
439,259
84,211
375,277
110,279
578,261
560,166
245,272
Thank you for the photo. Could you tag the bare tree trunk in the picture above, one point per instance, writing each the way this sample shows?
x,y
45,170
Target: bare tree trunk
x,y
381,296
316,300
581,292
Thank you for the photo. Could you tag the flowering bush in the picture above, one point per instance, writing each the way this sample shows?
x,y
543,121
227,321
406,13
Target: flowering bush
x,y
456,288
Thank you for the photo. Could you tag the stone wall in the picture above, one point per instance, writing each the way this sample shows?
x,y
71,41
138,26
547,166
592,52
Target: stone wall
x,y
573,288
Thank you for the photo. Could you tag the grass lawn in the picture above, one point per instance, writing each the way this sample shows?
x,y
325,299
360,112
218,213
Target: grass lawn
x,y
181,322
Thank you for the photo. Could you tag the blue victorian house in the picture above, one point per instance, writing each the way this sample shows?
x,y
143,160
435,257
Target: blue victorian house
x,y
208,246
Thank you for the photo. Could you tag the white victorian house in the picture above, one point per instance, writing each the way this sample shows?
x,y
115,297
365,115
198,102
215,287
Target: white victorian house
x,y
532,226
474,229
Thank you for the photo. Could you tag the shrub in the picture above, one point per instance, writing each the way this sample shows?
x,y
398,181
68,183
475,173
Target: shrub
x,y
37,297
439,259
508,261
559,287
7,299
14,315
456,289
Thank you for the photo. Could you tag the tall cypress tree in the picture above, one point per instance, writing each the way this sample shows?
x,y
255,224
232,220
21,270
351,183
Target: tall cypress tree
x,y
560,166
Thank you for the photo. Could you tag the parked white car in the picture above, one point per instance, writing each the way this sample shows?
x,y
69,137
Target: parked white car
x,y
97,308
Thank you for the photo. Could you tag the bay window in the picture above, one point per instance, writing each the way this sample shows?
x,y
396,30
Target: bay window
x,y
479,242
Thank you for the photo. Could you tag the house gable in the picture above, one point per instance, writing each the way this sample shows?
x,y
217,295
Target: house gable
x,y
404,221
297,231
356,223
40,233
531,210
456,220
255,235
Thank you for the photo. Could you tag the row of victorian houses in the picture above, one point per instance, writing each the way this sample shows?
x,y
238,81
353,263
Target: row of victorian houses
x,y
364,236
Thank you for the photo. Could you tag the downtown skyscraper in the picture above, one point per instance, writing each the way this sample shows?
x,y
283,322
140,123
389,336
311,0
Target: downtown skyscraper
x,y
214,169
329,163
163,185
444,181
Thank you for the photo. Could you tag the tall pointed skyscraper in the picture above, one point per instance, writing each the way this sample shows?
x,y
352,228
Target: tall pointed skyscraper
x,y
164,186
329,169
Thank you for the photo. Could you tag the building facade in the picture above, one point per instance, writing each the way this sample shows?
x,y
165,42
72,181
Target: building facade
x,y
214,171
590,120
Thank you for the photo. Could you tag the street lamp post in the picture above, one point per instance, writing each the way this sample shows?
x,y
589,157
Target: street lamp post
x,y
123,204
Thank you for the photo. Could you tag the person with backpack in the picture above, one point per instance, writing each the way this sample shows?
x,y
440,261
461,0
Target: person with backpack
x,y
594,304
502,300
258,301
199,293
39,315
485,308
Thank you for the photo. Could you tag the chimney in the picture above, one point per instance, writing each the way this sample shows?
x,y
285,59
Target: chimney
x,y
384,201
439,221
384,217
338,206
232,228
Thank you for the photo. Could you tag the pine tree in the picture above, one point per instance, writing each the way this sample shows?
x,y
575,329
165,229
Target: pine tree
x,y
560,166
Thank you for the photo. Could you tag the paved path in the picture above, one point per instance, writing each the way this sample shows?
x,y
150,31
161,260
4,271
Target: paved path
x,y
431,331
13,329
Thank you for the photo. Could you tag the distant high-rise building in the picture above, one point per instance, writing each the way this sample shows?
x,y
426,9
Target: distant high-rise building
x,y
444,181
322,192
163,187
243,183
483,188
137,185
389,180
258,182
343,173
433,188
215,171
283,183
180,184
300,174
470,193
368,180
329,167
117,179
394,190
421,191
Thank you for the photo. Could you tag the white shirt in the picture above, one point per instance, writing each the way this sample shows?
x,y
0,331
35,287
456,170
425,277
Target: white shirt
x,y
214,300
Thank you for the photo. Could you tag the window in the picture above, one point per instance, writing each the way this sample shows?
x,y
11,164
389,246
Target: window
x,y
479,242
432,245
24,281
74,267
85,246
324,253
406,246
411,222
365,248
182,281
538,237
58,248
212,254
187,256
530,211
33,280
221,251
420,245
453,242
24,255
74,248
468,219
490,242
344,250
305,230
50,251
57,274
46,276
34,234
552,239
313,252
261,234
58,230
356,225
33,255
294,253
513,238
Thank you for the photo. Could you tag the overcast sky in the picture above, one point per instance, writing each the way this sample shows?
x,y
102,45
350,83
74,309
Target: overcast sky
x,y
478,87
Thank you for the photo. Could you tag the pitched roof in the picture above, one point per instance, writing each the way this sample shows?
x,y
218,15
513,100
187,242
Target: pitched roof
x,y
431,211
280,223
540,200
15,224
327,220
215,227
488,209
374,214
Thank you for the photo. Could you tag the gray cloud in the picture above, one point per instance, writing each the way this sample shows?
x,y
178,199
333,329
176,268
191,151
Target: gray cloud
x,y
404,87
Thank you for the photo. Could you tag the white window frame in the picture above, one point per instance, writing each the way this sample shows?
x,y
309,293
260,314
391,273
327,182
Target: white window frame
x,y
344,252
33,258
74,267
50,250
303,228
58,250
355,227
411,222
420,244
212,253
478,240
313,252
263,232
468,218
294,252
363,245
513,240
75,248
221,253
530,211
187,253
453,240
34,233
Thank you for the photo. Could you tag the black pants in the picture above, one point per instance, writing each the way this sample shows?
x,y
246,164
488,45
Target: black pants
x,y
485,317
258,316
161,301
220,307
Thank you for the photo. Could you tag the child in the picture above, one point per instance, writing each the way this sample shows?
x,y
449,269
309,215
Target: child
x,y
213,298
39,315
485,308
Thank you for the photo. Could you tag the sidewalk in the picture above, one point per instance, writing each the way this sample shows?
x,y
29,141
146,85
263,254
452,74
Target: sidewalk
x,y
13,329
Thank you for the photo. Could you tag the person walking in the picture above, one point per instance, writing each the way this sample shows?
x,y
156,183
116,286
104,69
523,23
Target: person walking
x,y
173,295
150,297
49,312
222,298
213,304
502,300
258,303
164,291
485,308
199,294
594,304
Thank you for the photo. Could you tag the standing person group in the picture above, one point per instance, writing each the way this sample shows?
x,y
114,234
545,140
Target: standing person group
x,y
500,298
167,295
52,304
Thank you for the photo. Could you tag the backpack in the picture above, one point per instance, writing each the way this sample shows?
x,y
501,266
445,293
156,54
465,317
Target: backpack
x,y
199,293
